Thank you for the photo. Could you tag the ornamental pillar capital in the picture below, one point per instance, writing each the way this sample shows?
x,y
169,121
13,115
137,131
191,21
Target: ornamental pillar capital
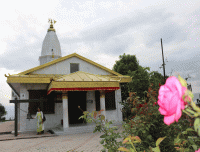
x,y
65,95
102,93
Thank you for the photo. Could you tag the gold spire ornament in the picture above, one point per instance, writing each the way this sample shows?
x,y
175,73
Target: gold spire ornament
x,y
51,25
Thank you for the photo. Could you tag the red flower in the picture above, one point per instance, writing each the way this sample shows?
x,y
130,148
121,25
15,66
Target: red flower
x,y
155,103
133,117
159,84
141,105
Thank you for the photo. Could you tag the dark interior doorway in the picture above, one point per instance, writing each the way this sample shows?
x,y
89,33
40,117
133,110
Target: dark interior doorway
x,y
75,99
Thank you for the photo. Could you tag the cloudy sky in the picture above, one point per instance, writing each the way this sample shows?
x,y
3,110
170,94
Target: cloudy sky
x,y
101,31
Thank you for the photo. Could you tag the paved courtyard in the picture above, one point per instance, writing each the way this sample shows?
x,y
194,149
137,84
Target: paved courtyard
x,y
87,142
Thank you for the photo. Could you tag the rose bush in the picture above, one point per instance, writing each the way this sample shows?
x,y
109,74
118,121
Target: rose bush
x,y
147,124
179,93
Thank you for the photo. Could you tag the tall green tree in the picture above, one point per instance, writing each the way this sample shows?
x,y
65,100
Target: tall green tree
x,y
126,63
140,81
3,111
156,78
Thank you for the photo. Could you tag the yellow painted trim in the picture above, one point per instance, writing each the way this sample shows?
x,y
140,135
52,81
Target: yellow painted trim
x,y
45,78
125,80
56,84
35,76
67,57
27,80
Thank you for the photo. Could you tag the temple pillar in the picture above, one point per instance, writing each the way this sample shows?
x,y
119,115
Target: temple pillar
x,y
65,111
102,103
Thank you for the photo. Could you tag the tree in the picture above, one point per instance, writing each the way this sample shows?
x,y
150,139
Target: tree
x,y
140,81
129,65
125,64
156,78
141,77
2,111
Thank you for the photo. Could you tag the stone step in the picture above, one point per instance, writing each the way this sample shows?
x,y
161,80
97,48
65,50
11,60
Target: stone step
x,y
75,129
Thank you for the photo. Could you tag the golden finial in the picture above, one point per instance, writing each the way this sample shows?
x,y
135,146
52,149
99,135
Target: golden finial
x,y
51,25
6,75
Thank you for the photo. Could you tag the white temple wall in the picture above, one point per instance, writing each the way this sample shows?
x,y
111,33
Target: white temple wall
x,y
52,120
116,114
63,67
23,107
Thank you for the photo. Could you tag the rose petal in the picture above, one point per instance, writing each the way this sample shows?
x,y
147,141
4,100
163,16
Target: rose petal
x,y
169,119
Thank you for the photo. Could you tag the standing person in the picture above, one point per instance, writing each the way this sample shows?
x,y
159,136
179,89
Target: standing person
x,y
40,124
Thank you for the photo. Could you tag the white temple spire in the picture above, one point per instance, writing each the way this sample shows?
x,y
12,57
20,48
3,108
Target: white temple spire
x,y
51,46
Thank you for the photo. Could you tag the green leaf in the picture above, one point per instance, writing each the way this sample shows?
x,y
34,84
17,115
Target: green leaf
x,y
92,114
110,150
177,140
149,137
191,142
189,129
102,141
191,111
184,132
115,128
102,117
191,95
159,140
80,117
194,147
85,112
143,131
197,124
103,136
199,130
123,149
132,150
156,149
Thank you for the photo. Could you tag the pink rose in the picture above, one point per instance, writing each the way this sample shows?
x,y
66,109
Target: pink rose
x,y
198,150
170,100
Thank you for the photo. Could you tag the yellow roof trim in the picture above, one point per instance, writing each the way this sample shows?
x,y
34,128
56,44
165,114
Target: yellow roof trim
x,y
78,76
67,57
56,84
27,80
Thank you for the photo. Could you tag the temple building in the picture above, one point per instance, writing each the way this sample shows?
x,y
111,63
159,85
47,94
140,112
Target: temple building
x,y
70,85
